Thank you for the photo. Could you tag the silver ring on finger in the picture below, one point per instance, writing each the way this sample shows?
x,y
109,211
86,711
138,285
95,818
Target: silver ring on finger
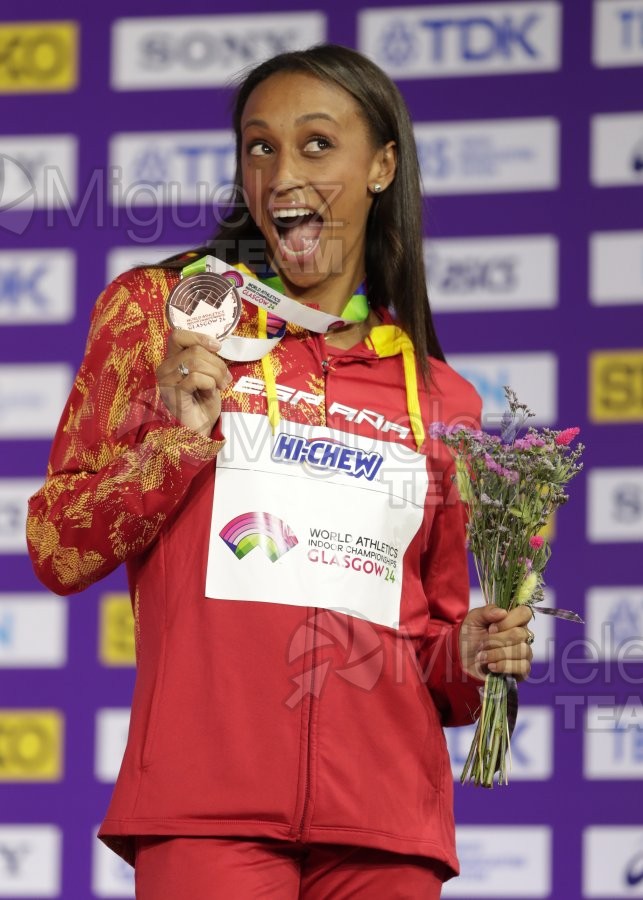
x,y
530,637
183,370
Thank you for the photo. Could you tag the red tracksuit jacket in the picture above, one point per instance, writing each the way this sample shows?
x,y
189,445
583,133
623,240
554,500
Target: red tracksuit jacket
x,y
259,719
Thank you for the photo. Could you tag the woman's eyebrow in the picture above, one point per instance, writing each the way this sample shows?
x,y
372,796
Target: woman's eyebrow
x,y
316,115
307,117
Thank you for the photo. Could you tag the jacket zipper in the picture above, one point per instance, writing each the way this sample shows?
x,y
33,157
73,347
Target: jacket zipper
x,y
304,811
325,366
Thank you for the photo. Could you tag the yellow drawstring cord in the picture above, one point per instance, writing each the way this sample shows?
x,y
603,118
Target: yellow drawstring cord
x,y
386,340
389,340
412,396
268,373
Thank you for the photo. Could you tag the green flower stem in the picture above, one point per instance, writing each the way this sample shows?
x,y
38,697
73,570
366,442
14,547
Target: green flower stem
x,y
489,747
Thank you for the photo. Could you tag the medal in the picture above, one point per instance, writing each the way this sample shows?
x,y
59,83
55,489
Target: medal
x,y
209,297
207,303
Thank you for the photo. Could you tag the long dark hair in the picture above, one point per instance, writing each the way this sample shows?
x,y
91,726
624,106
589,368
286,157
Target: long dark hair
x,y
394,260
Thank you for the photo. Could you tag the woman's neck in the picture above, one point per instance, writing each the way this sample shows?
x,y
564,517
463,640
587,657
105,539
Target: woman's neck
x,y
330,295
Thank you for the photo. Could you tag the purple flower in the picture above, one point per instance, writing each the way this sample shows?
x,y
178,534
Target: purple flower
x,y
493,466
528,442
437,429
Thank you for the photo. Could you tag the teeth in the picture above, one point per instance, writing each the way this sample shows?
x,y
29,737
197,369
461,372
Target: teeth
x,y
291,213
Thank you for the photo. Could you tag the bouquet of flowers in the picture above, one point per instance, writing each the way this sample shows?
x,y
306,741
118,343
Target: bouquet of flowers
x,y
510,485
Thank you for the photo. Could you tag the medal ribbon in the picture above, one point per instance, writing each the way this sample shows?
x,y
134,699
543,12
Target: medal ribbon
x,y
269,295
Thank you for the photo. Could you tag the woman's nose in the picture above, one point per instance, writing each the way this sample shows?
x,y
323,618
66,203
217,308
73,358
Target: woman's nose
x,y
286,172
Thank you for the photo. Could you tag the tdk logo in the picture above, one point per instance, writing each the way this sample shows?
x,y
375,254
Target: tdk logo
x,y
480,38
171,167
463,40
324,453
194,163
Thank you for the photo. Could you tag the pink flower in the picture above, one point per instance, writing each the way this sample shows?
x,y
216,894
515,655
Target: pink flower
x,y
536,542
563,438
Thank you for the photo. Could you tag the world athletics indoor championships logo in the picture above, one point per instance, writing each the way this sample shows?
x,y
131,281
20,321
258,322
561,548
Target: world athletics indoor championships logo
x,y
256,529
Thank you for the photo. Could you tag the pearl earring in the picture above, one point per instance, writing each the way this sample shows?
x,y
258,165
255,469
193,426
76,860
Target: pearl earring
x,y
377,187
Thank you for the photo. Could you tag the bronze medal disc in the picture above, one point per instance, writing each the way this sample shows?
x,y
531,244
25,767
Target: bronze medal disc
x,y
207,303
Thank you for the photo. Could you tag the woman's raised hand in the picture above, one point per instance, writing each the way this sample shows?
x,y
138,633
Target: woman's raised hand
x,y
191,378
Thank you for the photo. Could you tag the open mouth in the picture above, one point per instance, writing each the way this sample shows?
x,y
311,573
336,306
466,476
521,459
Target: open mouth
x,y
298,230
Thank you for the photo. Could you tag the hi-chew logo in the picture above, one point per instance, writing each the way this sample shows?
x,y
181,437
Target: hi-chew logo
x,y
258,529
325,453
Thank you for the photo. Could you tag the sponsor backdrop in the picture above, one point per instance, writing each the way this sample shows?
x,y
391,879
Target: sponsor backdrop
x,y
115,149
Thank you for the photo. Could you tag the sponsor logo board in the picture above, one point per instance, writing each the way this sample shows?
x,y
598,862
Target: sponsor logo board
x,y
502,861
204,51
617,149
31,745
36,172
171,168
37,286
615,505
116,642
616,267
613,861
486,157
474,274
33,631
111,738
32,397
618,33
38,57
30,861
616,386
533,376
614,622
614,742
462,39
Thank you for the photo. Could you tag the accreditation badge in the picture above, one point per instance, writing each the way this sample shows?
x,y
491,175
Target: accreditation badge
x,y
207,303
313,516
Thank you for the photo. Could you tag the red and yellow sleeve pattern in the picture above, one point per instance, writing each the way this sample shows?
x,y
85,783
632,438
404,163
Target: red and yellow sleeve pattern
x,y
120,463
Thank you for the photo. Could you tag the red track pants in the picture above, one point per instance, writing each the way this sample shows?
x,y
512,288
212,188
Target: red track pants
x,y
189,868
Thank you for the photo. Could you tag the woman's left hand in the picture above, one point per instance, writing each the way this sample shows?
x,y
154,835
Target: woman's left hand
x,y
494,640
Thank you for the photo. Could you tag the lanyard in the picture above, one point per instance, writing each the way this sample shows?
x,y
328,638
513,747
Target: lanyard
x,y
212,282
